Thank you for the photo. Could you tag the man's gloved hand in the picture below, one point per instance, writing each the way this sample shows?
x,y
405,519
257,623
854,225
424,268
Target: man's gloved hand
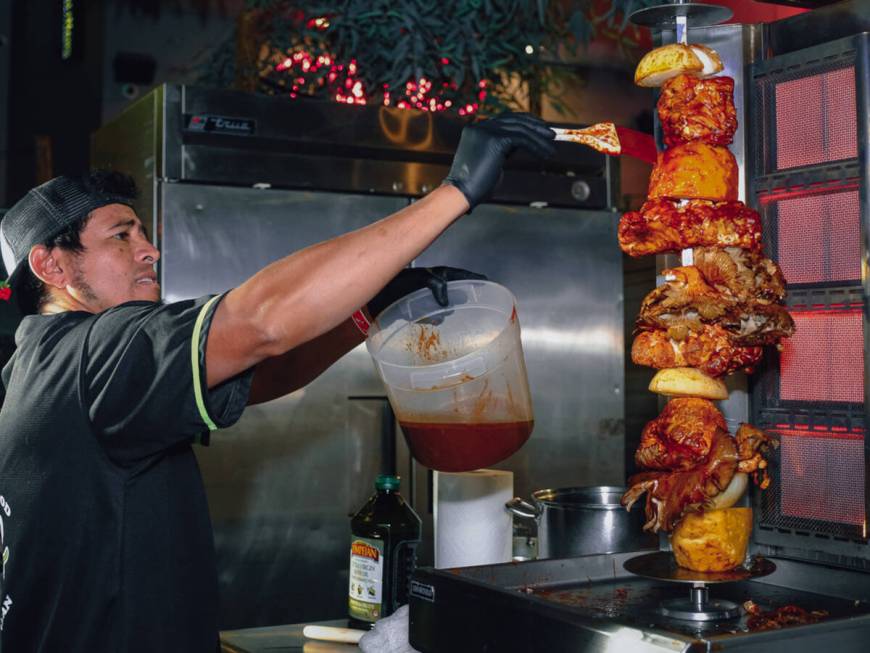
x,y
485,145
411,279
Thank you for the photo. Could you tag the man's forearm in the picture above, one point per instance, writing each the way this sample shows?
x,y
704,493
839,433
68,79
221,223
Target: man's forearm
x,y
311,291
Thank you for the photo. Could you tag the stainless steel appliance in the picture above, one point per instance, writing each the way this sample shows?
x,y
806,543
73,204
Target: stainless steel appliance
x,y
233,181
804,141
577,521
591,603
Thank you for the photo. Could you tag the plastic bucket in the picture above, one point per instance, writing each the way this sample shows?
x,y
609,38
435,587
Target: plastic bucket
x,y
455,375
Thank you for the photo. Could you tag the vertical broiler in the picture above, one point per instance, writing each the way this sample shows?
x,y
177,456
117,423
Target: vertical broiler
x,y
784,255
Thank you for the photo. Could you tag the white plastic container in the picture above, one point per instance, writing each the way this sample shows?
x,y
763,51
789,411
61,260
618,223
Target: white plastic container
x,y
456,375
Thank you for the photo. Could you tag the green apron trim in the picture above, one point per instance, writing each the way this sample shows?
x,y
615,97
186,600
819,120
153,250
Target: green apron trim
x,y
194,360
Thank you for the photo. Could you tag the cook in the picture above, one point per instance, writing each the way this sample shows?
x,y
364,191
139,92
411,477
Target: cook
x,y
108,537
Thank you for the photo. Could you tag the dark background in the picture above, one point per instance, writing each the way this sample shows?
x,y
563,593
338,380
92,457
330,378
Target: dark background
x,y
50,105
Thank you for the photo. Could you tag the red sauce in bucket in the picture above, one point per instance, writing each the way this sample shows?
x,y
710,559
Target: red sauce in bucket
x,y
458,447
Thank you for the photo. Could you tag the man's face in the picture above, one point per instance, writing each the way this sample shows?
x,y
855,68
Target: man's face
x,y
117,264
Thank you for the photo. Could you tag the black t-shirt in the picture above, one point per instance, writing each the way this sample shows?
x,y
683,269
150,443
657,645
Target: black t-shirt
x,y
104,515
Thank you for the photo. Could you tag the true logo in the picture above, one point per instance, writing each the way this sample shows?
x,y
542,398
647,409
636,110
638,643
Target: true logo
x,y
205,122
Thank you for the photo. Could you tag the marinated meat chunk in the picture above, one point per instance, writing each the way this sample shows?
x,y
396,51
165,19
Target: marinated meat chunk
x,y
711,350
693,109
664,225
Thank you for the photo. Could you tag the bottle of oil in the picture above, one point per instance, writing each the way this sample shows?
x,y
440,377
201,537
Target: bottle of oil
x,y
385,534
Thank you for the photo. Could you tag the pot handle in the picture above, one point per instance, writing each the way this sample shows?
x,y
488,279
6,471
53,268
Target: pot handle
x,y
522,508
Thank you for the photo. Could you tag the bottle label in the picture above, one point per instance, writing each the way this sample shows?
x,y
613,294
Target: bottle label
x,y
366,578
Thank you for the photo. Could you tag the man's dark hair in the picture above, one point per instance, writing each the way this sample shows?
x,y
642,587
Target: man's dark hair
x,y
33,293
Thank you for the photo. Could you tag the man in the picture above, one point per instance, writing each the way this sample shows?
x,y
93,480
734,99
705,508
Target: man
x,y
109,544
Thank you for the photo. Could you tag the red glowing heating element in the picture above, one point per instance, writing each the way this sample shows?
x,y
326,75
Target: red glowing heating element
x,y
816,119
819,237
822,475
824,359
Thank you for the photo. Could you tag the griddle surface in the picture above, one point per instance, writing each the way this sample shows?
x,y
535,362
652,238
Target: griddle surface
x,y
633,601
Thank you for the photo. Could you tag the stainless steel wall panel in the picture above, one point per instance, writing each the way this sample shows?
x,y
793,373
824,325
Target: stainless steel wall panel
x,y
214,237
282,481
565,269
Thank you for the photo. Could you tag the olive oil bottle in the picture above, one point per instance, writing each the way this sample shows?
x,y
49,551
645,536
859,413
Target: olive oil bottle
x,y
383,552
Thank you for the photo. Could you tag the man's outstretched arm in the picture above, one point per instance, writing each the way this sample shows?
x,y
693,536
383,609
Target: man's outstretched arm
x,y
311,292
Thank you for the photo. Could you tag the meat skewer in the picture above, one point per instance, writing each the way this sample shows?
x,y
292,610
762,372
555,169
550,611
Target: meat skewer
x,y
708,319
685,300
711,350
664,225
695,459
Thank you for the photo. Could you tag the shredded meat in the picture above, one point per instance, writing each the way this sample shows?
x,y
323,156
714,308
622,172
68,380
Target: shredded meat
x,y
758,324
680,437
753,445
693,458
693,109
664,225
686,300
740,274
710,350
671,493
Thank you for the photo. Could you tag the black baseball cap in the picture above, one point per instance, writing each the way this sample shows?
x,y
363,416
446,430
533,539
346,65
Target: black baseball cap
x,y
50,209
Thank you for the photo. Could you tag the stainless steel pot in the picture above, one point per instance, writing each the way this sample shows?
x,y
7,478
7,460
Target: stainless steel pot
x,y
577,521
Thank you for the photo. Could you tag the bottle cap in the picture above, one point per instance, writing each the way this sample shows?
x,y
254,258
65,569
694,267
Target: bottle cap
x,y
387,482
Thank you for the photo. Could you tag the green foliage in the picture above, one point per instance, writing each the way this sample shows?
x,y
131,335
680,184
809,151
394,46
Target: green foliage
x,y
453,43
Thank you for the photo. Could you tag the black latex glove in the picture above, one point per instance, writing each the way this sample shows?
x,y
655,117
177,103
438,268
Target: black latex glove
x,y
411,279
485,145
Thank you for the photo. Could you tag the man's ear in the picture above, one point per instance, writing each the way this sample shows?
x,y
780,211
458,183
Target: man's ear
x,y
46,267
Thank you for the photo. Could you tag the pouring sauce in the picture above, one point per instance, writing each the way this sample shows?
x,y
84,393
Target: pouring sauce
x,y
462,447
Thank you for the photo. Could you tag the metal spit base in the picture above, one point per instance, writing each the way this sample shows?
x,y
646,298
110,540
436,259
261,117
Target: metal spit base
x,y
698,606
591,603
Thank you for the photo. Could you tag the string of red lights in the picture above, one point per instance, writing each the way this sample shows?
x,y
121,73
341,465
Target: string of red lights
x,y
306,69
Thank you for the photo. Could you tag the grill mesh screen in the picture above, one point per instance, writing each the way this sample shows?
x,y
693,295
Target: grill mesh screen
x,y
819,237
818,476
824,359
807,175
816,119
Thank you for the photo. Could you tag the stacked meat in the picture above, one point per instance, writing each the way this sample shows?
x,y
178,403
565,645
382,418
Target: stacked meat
x,y
708,319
